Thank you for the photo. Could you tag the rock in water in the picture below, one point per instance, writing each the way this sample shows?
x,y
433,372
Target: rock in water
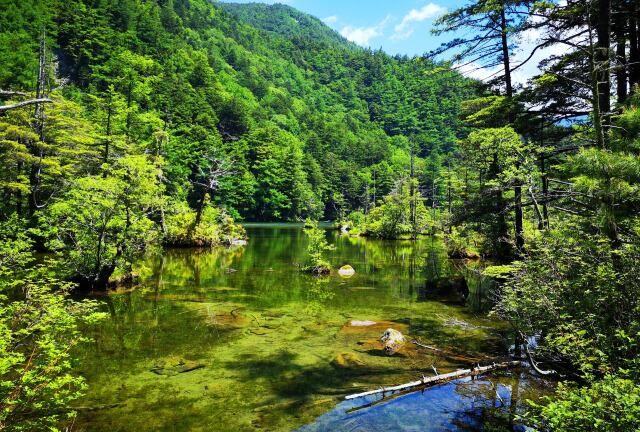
x,y
393,340
361,323
346,271
172,366
347,360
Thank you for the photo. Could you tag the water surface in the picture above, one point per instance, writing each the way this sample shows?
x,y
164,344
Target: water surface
x,y
239,340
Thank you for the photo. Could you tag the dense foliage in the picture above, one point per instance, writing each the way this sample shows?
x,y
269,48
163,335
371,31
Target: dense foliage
x,y
548,183
304,118
39,328
159,122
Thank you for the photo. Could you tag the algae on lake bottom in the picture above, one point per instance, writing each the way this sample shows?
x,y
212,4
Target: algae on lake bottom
x,y
265,347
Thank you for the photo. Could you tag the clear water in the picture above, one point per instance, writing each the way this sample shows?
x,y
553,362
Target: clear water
x,y
239,340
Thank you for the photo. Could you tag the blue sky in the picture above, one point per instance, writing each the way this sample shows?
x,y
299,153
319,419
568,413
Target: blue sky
x,y
396,26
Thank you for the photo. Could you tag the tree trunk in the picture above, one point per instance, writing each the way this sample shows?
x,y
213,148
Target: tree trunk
x,y
621,55
449,194
505,60
519,224
201,204
37,150
545,193
603,63
108,131
634,49
598,124
412,202
38,101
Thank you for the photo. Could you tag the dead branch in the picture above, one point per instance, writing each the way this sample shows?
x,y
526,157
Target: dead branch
x,y
24,103
10,93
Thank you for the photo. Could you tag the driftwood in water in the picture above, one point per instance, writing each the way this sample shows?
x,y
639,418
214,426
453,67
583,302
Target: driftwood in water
x,y
532,362
426,346
438,379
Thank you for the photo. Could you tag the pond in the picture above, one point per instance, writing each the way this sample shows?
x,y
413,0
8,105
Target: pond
x,y
237,339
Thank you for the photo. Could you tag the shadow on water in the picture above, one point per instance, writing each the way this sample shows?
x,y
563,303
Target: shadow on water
x,y
239,339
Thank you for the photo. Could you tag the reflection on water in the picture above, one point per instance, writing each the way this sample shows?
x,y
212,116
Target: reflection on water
x,y
239,339
463,405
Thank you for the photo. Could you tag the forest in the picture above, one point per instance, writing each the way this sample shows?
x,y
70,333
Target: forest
x,y
134,128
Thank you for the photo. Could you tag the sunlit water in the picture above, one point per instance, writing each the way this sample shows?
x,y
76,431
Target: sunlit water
x,y
240,340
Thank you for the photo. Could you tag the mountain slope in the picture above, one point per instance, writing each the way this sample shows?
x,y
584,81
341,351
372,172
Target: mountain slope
x,y
313,125
285,21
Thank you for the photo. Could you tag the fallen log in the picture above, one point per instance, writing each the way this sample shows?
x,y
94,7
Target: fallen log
x,y
438,379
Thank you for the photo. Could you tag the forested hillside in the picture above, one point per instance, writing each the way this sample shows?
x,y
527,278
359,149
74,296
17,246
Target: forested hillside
x,y
304,119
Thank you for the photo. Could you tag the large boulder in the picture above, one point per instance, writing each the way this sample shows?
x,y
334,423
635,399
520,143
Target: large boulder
x,y
393,340
346,271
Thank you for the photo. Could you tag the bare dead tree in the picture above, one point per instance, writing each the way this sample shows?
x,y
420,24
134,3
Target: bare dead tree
x,y
210,176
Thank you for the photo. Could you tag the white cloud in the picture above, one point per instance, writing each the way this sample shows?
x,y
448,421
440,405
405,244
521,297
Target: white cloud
x,y
404,29
330,19
362,35
476,70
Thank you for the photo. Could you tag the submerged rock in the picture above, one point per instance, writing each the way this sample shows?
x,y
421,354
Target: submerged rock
x,y
455,322
361,323
449,290
370,328
170,367
347,360
346,271
393,340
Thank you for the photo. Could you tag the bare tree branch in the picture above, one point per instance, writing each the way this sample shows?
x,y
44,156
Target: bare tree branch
x,y
24,103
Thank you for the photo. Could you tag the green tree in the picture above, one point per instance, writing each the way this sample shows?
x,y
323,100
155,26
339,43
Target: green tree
x,y
317,248
402,213
103,222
